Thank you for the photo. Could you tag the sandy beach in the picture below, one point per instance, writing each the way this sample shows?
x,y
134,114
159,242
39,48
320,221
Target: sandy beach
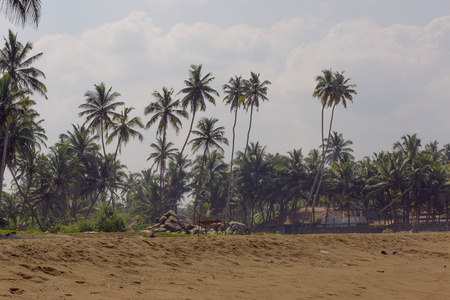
x,y
131,266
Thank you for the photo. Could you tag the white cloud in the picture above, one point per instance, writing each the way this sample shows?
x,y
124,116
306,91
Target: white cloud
x,y
396,69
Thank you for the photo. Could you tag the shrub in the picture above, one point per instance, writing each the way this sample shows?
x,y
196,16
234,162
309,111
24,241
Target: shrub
x,y
109,220
388,230
80,226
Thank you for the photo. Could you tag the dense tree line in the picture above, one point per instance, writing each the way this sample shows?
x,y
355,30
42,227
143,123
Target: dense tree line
x,y
76,176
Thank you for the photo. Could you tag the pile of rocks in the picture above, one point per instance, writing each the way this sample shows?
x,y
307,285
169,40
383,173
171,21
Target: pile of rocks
x,y
172,223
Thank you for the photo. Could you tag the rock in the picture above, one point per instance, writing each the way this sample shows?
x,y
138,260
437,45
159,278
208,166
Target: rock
x,y
173,227
188,227
159,230
229,231
238,226
171,213
212,231
152,227
172,220
162,220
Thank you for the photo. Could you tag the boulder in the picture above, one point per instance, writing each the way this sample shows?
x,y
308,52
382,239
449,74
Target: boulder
x,y
171,213
159,230
212,231
162,220
173,227
188,227
172,220
152,227
229,231
238,226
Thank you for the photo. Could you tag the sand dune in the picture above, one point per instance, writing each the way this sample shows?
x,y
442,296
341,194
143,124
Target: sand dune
x,y
113,266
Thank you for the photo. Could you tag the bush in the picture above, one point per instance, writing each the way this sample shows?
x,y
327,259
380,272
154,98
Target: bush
x,y
109,220
80,226
387,230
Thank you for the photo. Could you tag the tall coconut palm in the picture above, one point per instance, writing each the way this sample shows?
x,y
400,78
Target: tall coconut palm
x,y
10,107
331,89
15,61
197,91
208,137
99,110
234,91
22,12
167,111
255,90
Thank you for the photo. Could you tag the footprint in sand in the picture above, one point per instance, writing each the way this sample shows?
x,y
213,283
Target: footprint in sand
x,y
16,291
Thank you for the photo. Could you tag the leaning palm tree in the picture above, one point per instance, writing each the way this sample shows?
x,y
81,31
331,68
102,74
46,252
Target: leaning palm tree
x,y
234,91
15,61
22,12
331,89
167,111
255,90
197,90
208,138
99,110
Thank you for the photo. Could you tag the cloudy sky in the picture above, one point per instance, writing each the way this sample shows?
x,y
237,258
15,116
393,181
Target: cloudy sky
x,y
395,51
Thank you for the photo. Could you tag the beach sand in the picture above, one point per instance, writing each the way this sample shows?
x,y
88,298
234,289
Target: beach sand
x,y
129,266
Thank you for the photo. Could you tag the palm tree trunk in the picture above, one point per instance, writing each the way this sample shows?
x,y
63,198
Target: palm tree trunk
x,y
26,199
249,128
106,164
161,169
199,185
115,168
3,162
169,191
322,164
227,204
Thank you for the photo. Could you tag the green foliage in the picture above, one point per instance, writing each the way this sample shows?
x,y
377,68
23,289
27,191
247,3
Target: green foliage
x,y
388,230
109,220
80,226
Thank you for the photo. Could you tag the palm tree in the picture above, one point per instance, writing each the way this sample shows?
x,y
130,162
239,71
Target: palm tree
x,y
9,111
255,90
197,90
254,170
331,89
344,179
338,147
234,91
22,12
15,61
208,137
163,151
409,146
99,110
82,145
167,111
123,129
